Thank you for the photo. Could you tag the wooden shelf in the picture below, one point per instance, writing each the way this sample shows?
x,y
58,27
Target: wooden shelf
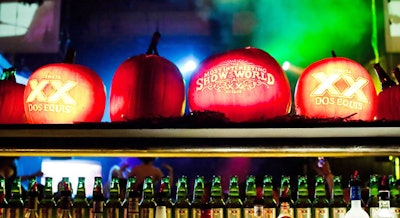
x,y
110,140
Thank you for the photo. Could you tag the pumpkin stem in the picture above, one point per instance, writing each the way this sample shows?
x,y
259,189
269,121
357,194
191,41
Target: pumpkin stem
x,y
333,53
70,56
386,81
396,72
153,44
9,74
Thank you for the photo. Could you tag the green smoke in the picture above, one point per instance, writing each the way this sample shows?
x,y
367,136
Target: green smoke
x,y
304,31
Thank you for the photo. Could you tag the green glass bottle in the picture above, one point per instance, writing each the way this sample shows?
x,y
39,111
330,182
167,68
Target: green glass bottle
x,y
16,203
48,206
80,204
131,202
321,202
286,205
65,201
165,197
233,204
338,206
113,204
394,195
216,202
3,200
97,202
147,204
197,202
32,200
373,199
182,203
268,196
303,203
250,195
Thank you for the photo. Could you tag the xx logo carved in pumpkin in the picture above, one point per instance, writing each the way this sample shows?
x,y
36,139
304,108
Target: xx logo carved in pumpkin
x,y
60,91
327,85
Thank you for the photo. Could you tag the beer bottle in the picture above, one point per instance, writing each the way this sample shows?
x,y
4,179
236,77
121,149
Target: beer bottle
x,y
286,204
250,195
80,204
32,200
394,195
233,203
386,81
15,203
113,204
384,210
216,202
338,205
303,203
97,202
356,209
131,202
373,200
65,201
320,202
197,201
3,200
47,203
147,204
182,203
268,196
165,196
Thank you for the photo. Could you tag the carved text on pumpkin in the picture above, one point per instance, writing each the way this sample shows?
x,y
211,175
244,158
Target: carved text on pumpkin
x,y
235,76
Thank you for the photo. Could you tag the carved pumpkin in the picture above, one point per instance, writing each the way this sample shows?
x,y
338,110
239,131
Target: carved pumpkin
x,y
11,99
336,87
389,98
147,86
247,85
64,93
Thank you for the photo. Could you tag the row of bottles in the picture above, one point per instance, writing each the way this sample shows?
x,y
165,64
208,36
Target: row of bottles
x,y
258,202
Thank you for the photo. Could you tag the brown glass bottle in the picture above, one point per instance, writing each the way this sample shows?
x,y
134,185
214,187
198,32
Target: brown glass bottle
x,y
131,202
303,203
338,206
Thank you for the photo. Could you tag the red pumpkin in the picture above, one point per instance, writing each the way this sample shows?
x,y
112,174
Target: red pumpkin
x,y
389,98
147,86
336,87
247,85
11,101
64,93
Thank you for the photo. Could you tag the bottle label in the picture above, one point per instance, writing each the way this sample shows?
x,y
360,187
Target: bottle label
x,y
79,212
146,213
396,211
303,212
196,212
339,212
2,214
46,213
206,213
248,212
233,213
161,212
285,210
112,212
15,212
269,212
321,212
98,207
133,206
373,211
181,212
258,210
169,212
217,213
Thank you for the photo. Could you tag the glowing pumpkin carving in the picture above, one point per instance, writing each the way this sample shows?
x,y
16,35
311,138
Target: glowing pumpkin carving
x,y
247,85
147,86
11,99
64,93
336,87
